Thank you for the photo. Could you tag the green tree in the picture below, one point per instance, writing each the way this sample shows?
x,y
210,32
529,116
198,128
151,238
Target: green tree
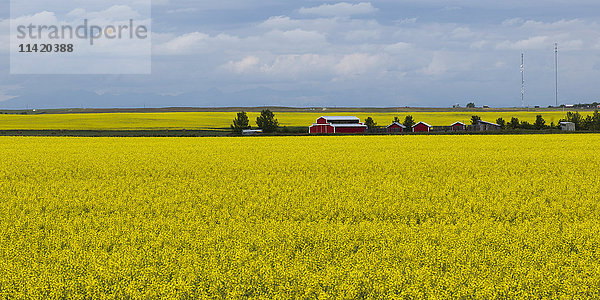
x,y
267,122
409,122
587,123
396,120
540,123
595,121
241,122
514,123
576,118
370,123
501,122
526,125
470,105
475,120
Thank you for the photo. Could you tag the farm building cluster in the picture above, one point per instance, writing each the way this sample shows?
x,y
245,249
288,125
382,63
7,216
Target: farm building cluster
x,y
350,124
338,124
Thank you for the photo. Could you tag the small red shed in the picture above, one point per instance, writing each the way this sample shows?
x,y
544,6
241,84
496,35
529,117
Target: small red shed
x,y
421,127
396,127
459,126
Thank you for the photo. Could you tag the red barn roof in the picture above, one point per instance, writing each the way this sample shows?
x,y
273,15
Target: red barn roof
x,y
396,124
340,118
423,124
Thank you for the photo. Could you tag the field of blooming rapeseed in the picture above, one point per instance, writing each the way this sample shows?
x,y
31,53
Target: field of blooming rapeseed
x,y
222,120
300,217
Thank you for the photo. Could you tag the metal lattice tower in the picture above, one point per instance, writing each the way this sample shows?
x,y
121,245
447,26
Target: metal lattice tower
x,y
522,80
556,72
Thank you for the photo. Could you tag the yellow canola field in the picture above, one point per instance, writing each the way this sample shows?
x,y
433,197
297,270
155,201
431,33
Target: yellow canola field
x,y
222,120
300,217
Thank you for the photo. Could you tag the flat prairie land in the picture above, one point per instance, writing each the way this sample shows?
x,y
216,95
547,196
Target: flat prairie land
x,y
222,120
342,217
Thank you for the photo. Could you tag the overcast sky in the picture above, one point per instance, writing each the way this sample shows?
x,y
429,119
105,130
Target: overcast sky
x,y
330,53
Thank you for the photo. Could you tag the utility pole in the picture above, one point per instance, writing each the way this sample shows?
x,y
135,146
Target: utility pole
x,y
522,80
556,72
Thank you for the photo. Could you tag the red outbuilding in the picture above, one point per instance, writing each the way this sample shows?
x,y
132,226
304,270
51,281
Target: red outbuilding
x,y
459,126
337,124
396,127
421,127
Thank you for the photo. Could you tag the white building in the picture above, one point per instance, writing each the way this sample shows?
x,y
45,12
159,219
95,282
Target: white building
x,y
252,132
567,126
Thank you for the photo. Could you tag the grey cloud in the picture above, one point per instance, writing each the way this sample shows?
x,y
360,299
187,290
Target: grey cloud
x,y
402,54
340,9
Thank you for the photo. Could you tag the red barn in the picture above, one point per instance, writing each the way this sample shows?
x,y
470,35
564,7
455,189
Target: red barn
x,y
336,124
459,126
421,127
396,127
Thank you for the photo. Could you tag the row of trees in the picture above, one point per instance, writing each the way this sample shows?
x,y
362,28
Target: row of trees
x,y
587,105
590,122
266,122
514,123
409,121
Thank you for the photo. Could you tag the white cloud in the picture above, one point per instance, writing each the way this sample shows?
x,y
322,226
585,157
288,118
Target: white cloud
x,y
273,41
296,66
183,44
398,48
324,24
77,12
513,22
532,43
574,34
438,66
357,64
572,45
193,43
560,25
182,10
279,22
296,36
114,13
462,33
307,66
362,35
478,45
44,17
444,62
243,65
407,21
342,9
